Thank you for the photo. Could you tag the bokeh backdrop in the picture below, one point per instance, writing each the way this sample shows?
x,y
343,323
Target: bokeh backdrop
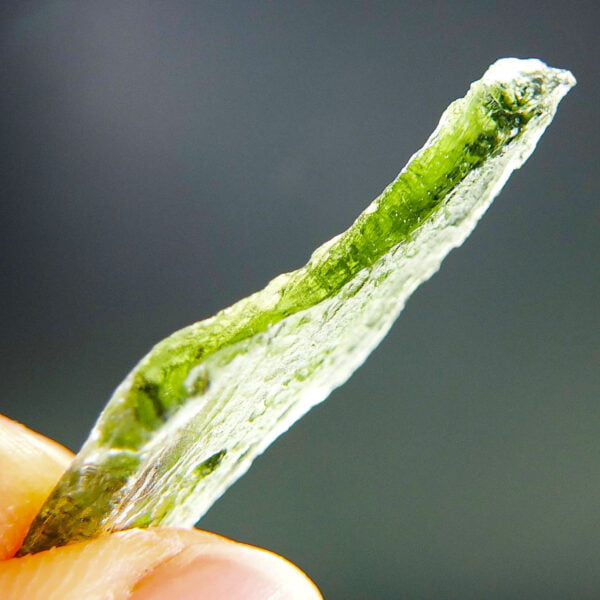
x,y
161,160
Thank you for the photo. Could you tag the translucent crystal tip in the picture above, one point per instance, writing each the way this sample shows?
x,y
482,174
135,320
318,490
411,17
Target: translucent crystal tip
x,y
506,70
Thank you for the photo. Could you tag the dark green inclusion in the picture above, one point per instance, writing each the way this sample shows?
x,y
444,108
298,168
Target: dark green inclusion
x,y
477,127
210,464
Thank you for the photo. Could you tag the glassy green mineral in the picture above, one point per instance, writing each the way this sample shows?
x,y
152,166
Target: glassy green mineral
x,y
195,412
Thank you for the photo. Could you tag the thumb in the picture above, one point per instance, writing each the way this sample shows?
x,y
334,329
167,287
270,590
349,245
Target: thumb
x,y
154,564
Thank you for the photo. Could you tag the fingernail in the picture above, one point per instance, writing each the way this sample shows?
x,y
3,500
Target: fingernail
x,y
233,572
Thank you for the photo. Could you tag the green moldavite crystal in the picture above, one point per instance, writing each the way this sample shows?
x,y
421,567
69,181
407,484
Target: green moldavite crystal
x,y
195,412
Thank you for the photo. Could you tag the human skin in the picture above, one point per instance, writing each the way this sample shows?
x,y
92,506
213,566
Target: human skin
x,y
138,564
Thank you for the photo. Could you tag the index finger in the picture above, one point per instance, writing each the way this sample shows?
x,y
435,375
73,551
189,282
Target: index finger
x,y
30,466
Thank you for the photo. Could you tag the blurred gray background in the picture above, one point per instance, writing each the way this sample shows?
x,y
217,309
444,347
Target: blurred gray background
x,y
164,159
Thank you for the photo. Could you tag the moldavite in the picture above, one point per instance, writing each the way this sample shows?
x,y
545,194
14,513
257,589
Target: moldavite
x,y
195,412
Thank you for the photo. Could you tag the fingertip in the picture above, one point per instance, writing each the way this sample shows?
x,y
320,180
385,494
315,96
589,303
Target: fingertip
x,y
152,564
30,465
17,439
224,569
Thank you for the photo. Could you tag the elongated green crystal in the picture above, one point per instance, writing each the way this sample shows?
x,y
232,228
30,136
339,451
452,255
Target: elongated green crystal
x,y
195,412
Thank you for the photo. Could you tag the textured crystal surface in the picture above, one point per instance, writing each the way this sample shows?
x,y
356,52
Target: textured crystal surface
x,y
195,412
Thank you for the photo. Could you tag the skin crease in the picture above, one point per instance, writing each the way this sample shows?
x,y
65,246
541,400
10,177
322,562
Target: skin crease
x,y
150,564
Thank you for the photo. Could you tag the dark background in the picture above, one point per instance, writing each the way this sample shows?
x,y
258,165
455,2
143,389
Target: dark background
x,y
164,159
